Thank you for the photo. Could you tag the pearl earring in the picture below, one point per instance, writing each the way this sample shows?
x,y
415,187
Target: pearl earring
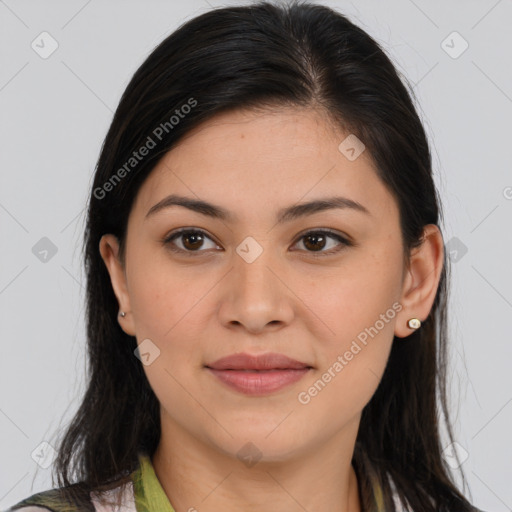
x,y
122,314
414,323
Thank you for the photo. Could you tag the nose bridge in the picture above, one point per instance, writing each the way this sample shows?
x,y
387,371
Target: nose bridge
x,y
256,296
252,268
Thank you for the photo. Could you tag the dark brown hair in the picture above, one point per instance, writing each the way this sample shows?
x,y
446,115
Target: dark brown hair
x,y
262,56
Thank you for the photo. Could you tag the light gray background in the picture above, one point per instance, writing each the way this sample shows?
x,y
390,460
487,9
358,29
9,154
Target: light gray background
x,y
56,111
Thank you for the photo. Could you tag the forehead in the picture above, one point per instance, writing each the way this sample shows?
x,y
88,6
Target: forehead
x,y
249,160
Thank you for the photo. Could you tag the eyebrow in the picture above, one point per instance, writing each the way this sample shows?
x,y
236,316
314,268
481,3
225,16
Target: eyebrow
x,y
284,215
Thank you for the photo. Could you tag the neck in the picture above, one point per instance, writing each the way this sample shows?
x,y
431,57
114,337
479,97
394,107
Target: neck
x,y
198,476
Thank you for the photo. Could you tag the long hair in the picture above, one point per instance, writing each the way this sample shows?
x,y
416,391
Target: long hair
x,y
263,56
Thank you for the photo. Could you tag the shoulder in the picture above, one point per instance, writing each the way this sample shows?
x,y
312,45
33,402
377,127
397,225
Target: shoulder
x,y
119,497
400,507
28,508
54,500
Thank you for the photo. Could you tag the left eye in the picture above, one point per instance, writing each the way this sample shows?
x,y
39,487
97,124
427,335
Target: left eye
x,y
193,240
316,238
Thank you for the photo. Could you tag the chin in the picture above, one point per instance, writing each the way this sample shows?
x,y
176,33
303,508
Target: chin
x,y
258,447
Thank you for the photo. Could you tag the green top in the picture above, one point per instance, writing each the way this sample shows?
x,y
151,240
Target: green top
x,y
147,495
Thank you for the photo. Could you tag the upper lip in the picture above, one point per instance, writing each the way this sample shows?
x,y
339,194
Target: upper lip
x,y
267,361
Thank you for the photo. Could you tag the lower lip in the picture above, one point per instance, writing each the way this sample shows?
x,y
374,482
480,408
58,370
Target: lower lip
x,y
259,382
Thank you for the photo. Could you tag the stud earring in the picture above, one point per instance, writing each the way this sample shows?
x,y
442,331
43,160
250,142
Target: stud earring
x,y
122,314
414,323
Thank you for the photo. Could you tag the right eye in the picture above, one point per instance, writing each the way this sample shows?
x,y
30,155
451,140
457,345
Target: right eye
x,y
192,240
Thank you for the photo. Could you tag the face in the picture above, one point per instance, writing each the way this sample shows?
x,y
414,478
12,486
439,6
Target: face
x,y
327,286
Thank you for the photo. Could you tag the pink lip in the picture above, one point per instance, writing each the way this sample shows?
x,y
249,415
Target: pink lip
x,y
258,375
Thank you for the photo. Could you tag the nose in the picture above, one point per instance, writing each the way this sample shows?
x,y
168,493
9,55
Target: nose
x,y
256,296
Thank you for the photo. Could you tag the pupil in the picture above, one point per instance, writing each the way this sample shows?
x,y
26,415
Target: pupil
x,y
315,239
196,240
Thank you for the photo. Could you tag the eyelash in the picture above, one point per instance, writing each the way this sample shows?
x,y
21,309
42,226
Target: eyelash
x,y
167,241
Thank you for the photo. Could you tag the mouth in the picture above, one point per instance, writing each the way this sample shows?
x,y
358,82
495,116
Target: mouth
x,y
258,374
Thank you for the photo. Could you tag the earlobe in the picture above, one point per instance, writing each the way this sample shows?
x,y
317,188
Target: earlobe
x,y
109,250
421,281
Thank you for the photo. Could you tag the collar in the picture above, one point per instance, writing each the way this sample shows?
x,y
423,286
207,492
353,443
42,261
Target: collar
x,y
148,492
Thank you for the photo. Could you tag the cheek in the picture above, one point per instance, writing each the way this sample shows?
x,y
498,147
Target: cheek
x,y
358,303
171,307
163,296
353,295
166,302
352,360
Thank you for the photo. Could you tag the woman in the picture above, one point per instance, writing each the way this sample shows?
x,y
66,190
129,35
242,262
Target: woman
x,y
266,282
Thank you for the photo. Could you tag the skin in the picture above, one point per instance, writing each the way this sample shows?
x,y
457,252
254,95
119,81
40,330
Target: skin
x,y
289,300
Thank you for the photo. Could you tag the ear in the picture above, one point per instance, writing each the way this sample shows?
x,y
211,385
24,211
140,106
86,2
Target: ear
x,y
421,280
109,250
